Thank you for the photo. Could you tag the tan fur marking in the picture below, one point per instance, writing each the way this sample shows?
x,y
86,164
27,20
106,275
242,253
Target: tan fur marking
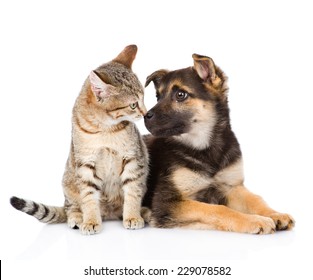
x,y
216,82
210,88
204,121
231,175
189,182
90,97
241,199
161,89
79,125
194,214
179,84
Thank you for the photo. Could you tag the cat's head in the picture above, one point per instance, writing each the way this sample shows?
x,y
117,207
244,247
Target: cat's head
x,y
117,89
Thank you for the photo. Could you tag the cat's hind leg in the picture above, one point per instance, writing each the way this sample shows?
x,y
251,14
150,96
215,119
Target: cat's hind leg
x,y
74,216
83,190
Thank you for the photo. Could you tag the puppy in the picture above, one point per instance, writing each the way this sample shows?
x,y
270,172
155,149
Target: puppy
x,y
196,175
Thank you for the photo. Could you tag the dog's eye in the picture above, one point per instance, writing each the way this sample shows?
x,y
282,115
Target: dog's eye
x,y
133,106
181,96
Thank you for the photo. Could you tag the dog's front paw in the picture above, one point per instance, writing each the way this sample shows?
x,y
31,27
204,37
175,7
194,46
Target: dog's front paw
x,y
260,225
282,221
89,228
134,223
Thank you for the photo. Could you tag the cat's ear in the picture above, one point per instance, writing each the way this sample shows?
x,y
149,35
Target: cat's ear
x,y
100,89
127,56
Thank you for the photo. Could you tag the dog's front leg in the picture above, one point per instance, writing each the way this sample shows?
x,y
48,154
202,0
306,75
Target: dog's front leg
x,y
199,215
241,199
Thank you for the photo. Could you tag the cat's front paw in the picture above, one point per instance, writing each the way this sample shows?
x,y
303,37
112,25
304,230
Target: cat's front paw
x,y
133,223
283,221
90,228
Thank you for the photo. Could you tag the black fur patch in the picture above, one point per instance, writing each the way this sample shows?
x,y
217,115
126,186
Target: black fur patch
x,y
17,203
168,123
212,195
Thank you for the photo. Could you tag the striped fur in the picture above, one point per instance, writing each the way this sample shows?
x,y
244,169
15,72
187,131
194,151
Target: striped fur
x,y
106,171
45,214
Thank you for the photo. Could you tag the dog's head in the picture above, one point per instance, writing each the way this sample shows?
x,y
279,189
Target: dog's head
x,y
187,99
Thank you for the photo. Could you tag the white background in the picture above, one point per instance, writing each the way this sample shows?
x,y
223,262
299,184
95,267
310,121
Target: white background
x,y
49,48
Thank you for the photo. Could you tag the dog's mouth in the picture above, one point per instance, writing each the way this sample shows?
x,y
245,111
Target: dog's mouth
x,y
167,131
165,124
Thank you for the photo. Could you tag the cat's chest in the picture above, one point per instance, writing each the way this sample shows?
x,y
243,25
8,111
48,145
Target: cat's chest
x,y
108,151
109,164
111,152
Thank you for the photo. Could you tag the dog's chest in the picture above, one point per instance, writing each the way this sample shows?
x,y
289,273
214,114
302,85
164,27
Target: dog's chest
x,y
191,183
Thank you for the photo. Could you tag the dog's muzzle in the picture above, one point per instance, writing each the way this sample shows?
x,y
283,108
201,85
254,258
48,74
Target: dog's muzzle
x,y
166,124
149,115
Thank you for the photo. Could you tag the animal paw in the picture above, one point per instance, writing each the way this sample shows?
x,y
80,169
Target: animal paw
x,y
261,225
134,223
75,222
146,213
90,228
282,221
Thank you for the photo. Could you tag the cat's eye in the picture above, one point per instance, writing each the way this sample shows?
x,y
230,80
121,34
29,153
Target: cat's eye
x,y
133,106
181,96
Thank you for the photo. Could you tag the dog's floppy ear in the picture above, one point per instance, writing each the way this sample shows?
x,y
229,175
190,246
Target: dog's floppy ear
x,y
205,69
156,77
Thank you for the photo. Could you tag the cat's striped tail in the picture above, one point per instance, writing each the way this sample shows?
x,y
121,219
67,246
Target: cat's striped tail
x,y
44,213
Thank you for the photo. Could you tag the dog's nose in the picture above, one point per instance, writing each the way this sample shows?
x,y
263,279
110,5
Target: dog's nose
x,y
149,115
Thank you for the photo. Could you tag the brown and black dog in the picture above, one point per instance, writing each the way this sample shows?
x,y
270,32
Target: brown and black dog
x,y
196,175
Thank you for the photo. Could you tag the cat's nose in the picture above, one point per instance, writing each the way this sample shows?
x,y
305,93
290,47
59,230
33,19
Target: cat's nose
x,y
149,115
143,110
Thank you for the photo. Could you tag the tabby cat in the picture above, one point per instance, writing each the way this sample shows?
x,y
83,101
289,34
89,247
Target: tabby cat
x,y
106,171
